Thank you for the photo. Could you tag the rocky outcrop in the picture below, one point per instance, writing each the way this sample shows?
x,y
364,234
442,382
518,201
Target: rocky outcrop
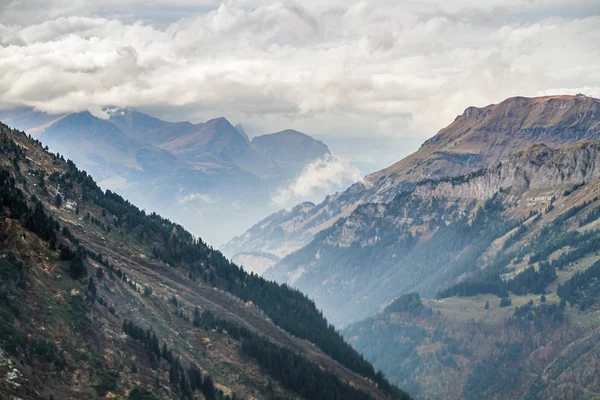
x,y
540,167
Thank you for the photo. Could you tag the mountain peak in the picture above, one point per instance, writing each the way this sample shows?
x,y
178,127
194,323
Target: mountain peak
x,y
481,135
291,150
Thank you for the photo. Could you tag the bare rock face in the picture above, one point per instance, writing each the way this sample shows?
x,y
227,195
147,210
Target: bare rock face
x,y
540,167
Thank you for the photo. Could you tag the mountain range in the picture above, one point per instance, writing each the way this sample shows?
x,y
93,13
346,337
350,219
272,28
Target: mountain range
x,y
476,138
352,237
467,270
191,172
470,268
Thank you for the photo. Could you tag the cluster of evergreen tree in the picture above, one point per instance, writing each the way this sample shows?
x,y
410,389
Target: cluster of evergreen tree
x,y
582,288
292,370
185,380
13,199
574,188
586,243
408,303
531,280
592,216
299,374
473,287
537,315
515,237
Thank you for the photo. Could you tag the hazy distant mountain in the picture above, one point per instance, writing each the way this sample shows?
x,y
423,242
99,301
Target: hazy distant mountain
x,y
291,150
478,137
207,146
104,145
205,174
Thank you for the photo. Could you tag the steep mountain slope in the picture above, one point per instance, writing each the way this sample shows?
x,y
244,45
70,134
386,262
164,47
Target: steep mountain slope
x,y
478,137
99,299
291,150
434,233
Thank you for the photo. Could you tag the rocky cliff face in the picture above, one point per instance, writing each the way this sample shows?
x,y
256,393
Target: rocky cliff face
x,y
477,138
540,167
482,136
383,250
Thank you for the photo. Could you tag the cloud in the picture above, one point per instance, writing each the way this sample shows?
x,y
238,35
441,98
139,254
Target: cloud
x,y
320,177
384,68
114,183
195,197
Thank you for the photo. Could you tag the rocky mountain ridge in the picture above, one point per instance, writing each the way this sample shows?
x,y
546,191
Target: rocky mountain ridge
x,y
381,250
478,137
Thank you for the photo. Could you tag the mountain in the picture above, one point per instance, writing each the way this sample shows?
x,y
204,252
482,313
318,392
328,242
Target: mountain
x,y
291,150
514,294
205,145
191,172
271,239
481,136
431,235
100,299
477,138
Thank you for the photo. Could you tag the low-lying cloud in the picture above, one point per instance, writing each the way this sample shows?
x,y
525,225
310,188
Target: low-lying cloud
x,y
319,178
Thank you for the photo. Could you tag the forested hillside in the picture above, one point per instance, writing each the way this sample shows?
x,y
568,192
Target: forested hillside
x,y
515,313
100,299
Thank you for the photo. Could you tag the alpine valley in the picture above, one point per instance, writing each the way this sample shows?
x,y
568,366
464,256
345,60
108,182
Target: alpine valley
x,y
468,270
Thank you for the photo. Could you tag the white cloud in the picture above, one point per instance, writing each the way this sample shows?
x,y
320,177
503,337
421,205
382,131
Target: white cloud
x,y
395,68
195,197
317,179
114,183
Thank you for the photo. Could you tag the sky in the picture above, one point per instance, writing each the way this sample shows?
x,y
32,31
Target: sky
x,y
373,79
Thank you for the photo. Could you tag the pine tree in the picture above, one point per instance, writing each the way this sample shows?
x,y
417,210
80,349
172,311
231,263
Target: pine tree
x,y
58,200
92,288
